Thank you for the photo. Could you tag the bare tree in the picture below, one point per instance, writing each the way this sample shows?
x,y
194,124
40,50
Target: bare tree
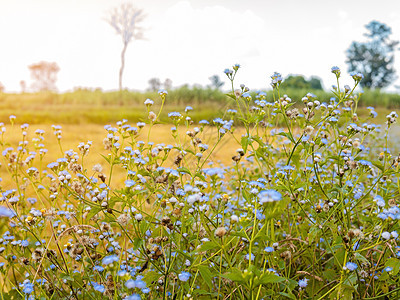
x,y
167,84
125,19
45,76
22,84
154,84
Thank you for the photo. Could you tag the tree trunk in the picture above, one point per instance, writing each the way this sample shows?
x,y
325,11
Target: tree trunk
x,y
121,70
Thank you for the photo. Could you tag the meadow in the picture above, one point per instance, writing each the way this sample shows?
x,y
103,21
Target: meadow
x,y
243,195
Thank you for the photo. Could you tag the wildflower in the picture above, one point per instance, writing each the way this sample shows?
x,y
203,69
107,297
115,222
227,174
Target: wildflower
x,y
220,232
357,76
130,284
269,196
303,282
162,93
152,116
238,93
228,72
175,116
98,268
27,287
148,102
386,235
335,70
133,297
308,130
99,287
184,276
236,67
269,249
123,219
109,259
6,212
247,257
351,266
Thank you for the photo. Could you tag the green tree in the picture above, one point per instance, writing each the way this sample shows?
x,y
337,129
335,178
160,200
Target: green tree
x,y
375,57
315,83
299,82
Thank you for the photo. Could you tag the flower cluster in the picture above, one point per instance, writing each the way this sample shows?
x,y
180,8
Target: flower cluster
x,y
308,206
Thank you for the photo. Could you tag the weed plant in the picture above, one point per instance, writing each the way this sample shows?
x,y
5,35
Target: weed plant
x,y
307,210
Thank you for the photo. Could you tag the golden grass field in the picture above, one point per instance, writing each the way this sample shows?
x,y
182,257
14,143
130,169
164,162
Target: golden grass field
x,y
73,134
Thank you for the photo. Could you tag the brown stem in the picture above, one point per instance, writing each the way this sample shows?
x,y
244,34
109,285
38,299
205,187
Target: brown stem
x,y
121,70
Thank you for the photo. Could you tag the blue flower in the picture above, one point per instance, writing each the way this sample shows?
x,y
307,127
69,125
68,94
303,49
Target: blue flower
x,y
99,287
129,183
335,70
351,266
184,276
27,287
303,282
140,284
133,297
98,268
269,196
388,269
109,259
6,212
269,249
130,284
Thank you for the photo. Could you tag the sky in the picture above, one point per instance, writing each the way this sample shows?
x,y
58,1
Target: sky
x,y
186,40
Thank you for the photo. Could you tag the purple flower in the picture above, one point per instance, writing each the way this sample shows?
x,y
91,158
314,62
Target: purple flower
x,y
303,282
351,266
6,212
184,276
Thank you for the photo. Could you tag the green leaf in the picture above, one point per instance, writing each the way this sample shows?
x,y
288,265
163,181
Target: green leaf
x,y
94,211
207,246
330,274
150,277
184,170
379,165
393,263
206,275
231,96
270,278
137,242
288,295
288,135
245,143
235,275
67,277
360,257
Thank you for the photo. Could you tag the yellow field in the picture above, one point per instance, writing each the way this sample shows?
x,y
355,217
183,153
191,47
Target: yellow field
x,y
73,134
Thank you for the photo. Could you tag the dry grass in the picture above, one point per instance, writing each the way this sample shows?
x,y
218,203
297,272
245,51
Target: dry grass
x,y
73,134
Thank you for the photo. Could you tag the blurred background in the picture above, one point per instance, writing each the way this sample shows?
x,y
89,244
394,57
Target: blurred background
x,y
185,41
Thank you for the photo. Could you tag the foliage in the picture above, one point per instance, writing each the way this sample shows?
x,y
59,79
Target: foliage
x,y
126,20
44,75
154,84
299,82
216,82
96,106
375,57
306,210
